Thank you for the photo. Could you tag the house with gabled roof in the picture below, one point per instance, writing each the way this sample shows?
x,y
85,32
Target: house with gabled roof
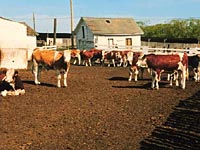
x,y
107,33
17,40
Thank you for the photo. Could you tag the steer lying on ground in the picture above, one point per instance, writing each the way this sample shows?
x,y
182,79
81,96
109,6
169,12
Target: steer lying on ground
x,y
54,59
10,82
161,63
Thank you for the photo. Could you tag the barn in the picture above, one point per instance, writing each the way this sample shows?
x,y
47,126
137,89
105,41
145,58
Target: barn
x,y
17,40
107,33
63,40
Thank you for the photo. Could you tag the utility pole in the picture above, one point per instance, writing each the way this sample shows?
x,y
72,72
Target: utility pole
x,y
54,31
33,21
72,23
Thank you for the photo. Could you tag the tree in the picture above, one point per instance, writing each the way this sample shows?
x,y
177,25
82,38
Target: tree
x,y
188,28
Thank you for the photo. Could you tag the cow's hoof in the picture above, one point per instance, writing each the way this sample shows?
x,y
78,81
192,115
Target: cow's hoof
x,y
37,83
4,93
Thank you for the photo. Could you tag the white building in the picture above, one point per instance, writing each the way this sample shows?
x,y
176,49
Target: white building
x,y
107,33
17,40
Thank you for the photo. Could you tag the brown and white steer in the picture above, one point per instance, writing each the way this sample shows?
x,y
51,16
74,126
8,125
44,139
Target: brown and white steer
x,y
54,59
89,56
161,63
112,57
132,58
75,54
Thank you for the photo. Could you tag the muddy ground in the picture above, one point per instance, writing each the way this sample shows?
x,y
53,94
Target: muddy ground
x,y
99,110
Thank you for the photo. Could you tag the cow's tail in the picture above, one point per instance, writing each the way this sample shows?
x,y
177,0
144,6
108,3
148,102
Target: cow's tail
x,y
32,64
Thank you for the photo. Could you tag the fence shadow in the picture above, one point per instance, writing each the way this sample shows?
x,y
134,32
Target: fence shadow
x,y
180,131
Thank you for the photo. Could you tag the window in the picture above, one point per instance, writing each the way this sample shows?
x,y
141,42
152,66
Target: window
x,y
110,42
96,40
83,31
128,42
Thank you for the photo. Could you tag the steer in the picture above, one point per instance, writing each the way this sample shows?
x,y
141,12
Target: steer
x,y
53,59
91,55
161,63
75,54
194,62
10,82
112,57
133,58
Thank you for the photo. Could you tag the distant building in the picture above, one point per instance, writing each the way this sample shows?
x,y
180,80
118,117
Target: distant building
x,y
107,33
17,40
63,40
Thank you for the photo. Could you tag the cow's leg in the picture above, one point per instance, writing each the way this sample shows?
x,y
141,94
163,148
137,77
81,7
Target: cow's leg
x,y
89,62
79,59
155,80
65,75
113,62
141,72
169,78
183,80
86,62
59,78
75,61
130,74
153,75
195,74
120,63
136,73
198,74
36,71
176,78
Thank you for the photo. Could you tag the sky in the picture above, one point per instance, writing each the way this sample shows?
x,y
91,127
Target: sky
x,y
150,11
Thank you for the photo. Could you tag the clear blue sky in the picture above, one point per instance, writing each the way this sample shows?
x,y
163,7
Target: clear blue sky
x,y
46,10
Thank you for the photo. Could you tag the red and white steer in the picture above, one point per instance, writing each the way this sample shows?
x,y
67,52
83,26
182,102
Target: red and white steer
x,y
76,56
88,56
161,63
132,58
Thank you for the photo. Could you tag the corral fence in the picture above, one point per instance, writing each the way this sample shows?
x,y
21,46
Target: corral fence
x,y
155,50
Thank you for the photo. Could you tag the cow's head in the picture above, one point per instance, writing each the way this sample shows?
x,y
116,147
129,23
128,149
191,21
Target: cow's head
x,y
142,61
10,75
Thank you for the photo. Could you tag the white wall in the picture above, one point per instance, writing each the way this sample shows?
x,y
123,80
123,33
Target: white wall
x,y
101,41
14,44
31,45
118,41
12,34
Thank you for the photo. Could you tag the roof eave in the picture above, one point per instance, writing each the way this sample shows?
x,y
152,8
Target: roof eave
x,y
131,34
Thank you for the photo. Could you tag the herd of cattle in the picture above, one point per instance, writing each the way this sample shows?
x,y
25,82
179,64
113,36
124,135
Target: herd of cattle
x,y
177,65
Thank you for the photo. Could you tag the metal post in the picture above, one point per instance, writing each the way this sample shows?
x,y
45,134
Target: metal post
x,y
165,42
54,37
72,23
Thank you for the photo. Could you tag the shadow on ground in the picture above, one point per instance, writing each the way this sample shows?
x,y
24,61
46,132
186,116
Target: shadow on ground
x,y
42,84
180,131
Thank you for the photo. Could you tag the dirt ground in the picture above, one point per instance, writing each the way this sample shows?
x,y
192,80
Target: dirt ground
x,y
99,110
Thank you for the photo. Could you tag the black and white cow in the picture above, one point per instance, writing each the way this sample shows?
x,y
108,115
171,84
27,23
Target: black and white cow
x,y
10,83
